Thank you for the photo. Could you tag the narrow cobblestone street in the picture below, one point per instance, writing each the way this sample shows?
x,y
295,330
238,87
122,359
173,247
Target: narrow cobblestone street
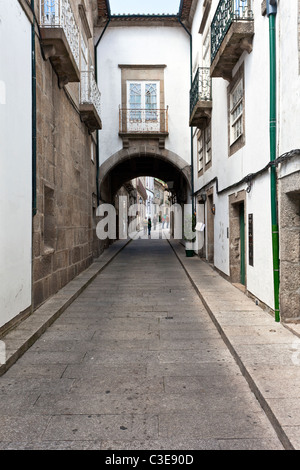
x,y
135,362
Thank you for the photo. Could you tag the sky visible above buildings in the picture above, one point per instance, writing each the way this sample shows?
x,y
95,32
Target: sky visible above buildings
x,y
144,7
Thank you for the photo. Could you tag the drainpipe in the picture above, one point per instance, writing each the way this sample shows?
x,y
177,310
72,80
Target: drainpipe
x,y
191,75
271,12
96,77
33,64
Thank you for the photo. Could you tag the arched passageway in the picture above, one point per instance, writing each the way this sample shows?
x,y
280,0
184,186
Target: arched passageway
x,y
145,160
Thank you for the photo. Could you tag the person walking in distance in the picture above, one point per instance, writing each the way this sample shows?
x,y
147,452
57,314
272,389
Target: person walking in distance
x,y
149,226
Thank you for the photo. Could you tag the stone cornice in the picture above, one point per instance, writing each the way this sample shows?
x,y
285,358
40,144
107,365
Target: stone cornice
x,y
142,66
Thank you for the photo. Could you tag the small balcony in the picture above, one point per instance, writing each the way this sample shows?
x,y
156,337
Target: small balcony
x,y
90,101
232,32
200,98
141,123
60,39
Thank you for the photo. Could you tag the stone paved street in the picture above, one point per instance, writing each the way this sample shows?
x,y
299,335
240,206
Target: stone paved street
x,y
135,362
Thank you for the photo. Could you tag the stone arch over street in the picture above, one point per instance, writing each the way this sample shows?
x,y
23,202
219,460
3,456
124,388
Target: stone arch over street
x,y
144,160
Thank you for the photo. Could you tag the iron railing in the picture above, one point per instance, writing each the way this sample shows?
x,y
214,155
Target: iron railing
x,y
140,120
201,87
227,12
59,14
89,91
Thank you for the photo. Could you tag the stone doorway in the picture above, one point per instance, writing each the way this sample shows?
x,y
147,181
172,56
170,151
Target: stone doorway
x,y
290,248
237,250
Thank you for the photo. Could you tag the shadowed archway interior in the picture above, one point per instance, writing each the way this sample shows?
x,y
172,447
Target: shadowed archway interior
x,y
125,166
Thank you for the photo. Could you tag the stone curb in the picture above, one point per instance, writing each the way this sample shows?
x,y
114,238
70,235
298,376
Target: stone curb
x,y
207,299
23,336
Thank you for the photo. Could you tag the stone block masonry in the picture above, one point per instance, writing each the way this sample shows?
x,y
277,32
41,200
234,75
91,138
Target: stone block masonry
x,y
289,190
64,239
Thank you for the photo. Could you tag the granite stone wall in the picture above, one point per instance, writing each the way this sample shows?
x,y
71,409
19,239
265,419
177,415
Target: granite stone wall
x,y
64,236
289,189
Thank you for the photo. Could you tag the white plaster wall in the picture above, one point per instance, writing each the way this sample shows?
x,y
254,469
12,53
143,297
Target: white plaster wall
x,y
15,161
255,154
288,76
249,159
221,250
145,45
197,38
260,276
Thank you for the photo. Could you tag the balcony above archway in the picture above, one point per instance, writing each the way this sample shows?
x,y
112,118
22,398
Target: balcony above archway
x,y
143,124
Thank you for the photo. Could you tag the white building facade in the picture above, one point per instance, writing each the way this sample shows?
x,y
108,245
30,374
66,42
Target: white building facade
x,y
230,118
145,109
15,162
148,52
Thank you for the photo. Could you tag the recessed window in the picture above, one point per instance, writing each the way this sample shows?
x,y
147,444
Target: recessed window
x,y
208,144
142,105
237,111
204,152
143,109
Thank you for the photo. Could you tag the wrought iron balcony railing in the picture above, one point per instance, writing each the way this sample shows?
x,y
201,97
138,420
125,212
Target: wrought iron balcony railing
x,y
201,87
143,121
228,11
58,14
90,93
90,100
